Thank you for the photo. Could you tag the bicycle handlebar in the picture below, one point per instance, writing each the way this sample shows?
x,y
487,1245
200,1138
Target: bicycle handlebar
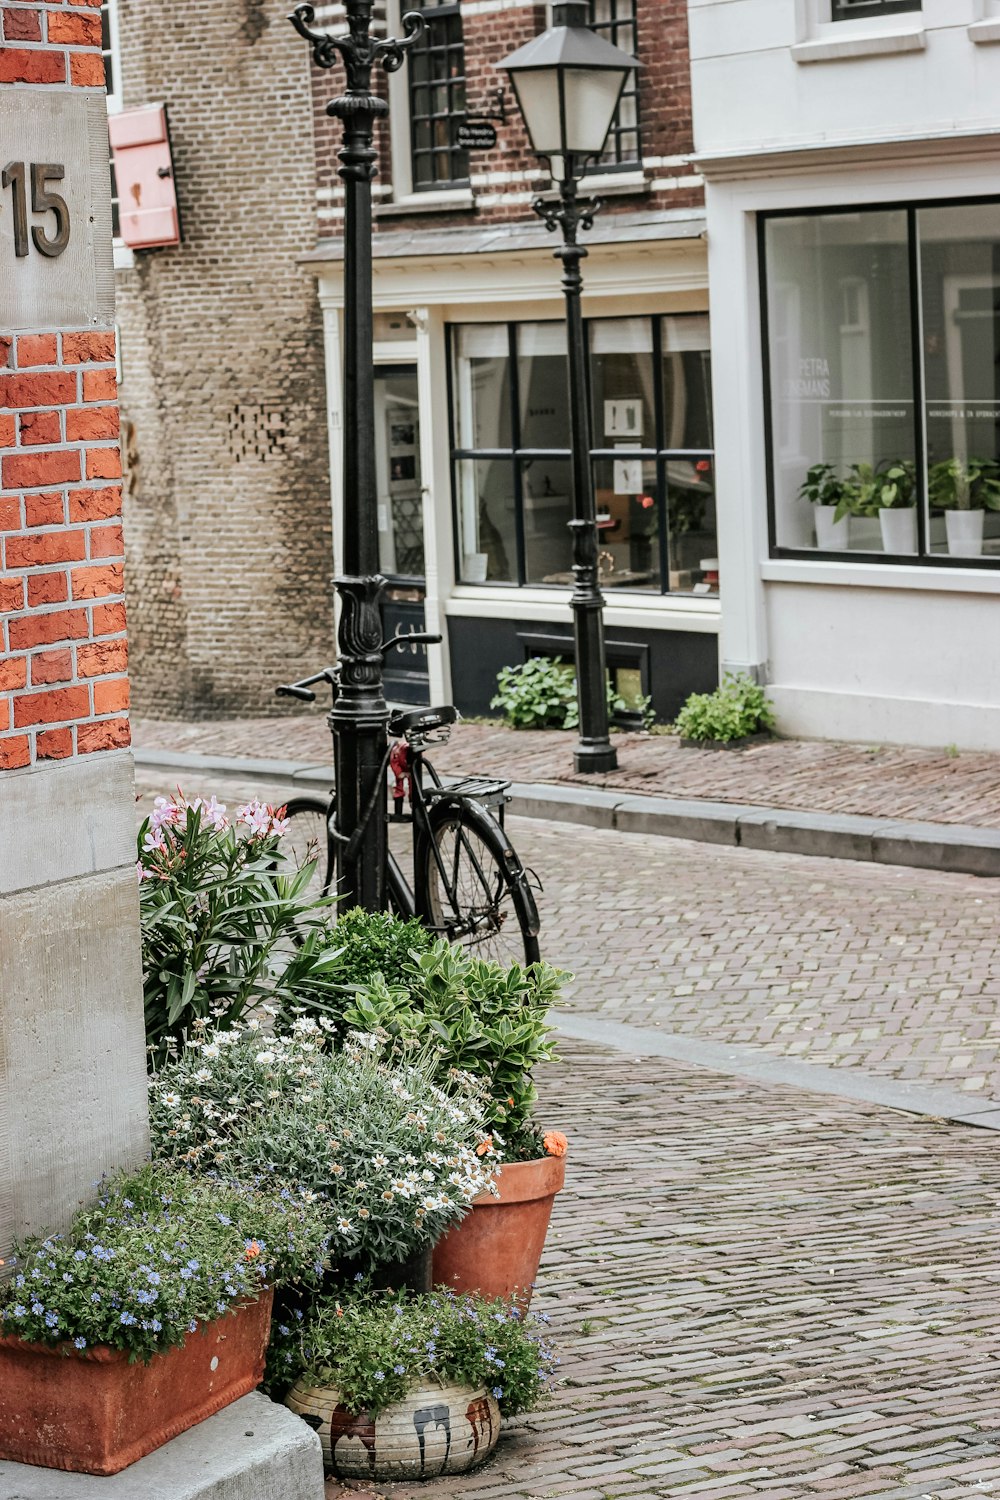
x,y
302,689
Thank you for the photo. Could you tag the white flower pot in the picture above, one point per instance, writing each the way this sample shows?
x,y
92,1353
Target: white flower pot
x,y
964,529
899,530
475,566
831,535
435,1429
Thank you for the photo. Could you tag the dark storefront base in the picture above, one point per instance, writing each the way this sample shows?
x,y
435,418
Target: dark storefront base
x,y
673,663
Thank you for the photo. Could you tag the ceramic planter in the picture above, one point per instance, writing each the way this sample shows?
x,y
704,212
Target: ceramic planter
x,y
831,535
437,1429
496,1248
964,530
91,1412
899,530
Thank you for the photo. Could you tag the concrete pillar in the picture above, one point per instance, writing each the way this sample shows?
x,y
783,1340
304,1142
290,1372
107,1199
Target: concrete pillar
x,y
72,1071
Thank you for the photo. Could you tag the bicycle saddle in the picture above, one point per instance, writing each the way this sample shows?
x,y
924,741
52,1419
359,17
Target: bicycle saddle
x,y
422,719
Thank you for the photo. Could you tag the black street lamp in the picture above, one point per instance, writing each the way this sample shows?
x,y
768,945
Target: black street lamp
x,y
359,716
568,82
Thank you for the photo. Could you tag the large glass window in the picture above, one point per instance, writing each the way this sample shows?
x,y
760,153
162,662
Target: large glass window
x,y
651,454
436,72
615,21
884,370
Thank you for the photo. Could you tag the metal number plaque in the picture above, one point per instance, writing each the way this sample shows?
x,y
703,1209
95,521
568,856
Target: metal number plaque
x,y
56,266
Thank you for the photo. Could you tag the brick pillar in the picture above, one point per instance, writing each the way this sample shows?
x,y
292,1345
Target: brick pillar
x,y
72,1077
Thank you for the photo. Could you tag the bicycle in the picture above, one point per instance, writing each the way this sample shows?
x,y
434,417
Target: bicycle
x,y
468,884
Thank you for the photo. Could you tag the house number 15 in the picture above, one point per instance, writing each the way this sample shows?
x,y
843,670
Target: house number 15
x,y
42,202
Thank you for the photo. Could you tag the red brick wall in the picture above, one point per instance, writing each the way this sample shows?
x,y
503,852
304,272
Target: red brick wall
x,y
63,652
665,123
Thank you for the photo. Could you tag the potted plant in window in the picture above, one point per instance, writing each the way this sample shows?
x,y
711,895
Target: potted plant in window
x,y
831,500
409,1387
965,489
887,490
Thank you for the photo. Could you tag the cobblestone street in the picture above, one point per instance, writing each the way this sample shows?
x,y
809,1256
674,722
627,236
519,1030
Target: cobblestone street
x,y
759,1290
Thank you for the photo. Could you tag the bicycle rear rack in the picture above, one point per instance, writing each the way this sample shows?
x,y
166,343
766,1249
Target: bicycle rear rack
x,y
492,793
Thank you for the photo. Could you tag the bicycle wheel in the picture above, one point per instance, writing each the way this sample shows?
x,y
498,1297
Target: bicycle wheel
x,y
307,837
472,888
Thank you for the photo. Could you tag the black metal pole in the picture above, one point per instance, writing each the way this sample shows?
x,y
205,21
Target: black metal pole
x,y
594,751
359,716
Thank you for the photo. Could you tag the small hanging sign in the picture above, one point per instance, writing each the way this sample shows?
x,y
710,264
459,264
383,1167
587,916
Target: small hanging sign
x,y
475,135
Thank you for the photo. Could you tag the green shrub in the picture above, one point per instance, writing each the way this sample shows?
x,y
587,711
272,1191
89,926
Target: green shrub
x,y
375,1347
371,943
738,707
487,1020
541,694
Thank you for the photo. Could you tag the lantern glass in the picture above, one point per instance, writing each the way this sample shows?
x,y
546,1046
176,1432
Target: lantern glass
x,y
568,111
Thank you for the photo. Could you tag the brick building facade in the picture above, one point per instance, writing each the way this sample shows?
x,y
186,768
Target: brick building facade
x,y
231,362
72,1046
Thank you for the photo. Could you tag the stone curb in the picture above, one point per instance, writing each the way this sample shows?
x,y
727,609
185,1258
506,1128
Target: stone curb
x,y
948,847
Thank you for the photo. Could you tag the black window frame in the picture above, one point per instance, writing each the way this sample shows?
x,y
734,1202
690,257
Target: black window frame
x,y
863,10
922,558
621,31
450,13
660,454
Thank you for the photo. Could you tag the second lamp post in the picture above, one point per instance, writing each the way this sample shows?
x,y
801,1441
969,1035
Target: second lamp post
x,y
568,82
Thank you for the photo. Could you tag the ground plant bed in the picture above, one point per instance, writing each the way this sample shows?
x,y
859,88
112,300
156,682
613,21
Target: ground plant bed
x,y
92,1412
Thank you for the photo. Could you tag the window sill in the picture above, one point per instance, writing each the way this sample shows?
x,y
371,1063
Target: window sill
x,y
981,32
842,49
124,258
927,579
639,611
447,201
614,184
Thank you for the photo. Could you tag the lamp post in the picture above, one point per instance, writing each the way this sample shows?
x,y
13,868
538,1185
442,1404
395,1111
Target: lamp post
x,y
359,715
568,82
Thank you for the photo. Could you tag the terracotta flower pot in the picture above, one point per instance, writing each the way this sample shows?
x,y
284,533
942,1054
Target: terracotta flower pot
x,y
496,1248
92,1412
437,1429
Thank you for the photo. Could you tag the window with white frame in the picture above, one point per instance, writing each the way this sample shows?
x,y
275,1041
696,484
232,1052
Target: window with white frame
x,y
113,85
859,10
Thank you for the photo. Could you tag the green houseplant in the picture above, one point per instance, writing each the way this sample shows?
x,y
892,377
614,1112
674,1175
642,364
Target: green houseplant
x,y
411,1387
886,490
965,489
167,1272
830,497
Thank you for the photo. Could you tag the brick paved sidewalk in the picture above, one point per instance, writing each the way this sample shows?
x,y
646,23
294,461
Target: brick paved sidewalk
x,y
756,1292
927,786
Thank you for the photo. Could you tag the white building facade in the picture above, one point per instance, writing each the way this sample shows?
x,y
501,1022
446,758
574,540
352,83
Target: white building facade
x,y
851,150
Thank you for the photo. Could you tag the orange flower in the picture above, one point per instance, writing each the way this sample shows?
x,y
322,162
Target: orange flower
x,y
555,1143
340,1311
510,1098
485,1146
252,1251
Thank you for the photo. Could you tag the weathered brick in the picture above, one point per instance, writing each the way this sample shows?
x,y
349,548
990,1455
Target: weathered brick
x,y
25,471
107,734
10,513
107,541
44,510
51,666
103,463
111,695
95,505
53,744
43,388
47,588
13,673
51,707
86,70
11,594
86,348
99,385
19,65
45,629
40,427
36,348
44,548
22,25
74,30
96,583
109,619
102,658
8,431
91,423
15,752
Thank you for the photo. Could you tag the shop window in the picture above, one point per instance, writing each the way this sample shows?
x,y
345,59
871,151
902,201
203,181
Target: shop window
x,y
884,382
615,21
859,10
651,453
436,72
